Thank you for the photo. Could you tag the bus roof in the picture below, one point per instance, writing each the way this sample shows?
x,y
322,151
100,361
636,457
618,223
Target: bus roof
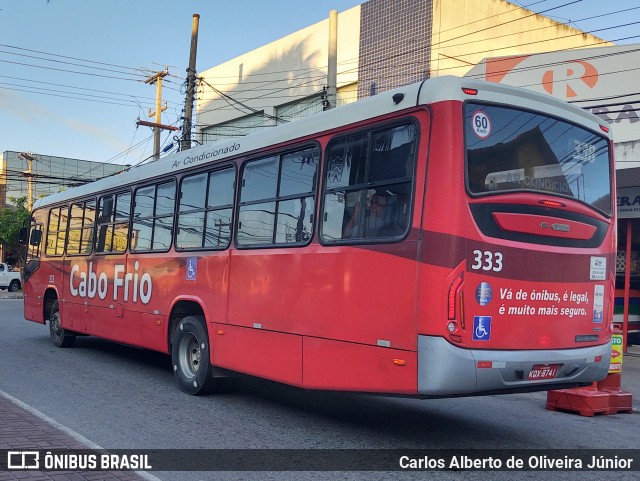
x,y
421,93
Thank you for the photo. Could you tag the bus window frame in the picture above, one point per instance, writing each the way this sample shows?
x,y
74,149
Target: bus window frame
x,y
158,182
208,172
313,193
480,195
83,202
371,130
48,223
114,194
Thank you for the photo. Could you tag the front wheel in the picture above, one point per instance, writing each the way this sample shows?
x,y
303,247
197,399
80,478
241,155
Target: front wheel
x,y
14,286
59,336
190,357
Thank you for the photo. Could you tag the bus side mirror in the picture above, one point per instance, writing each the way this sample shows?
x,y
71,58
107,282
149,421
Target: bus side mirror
x,y
36,237
24,235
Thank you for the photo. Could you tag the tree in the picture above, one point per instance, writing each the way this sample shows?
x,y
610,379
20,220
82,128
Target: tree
x,y
12,219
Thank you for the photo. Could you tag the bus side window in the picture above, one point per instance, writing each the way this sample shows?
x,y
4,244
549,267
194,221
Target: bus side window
x,y
277,199
369,180
205,208
153,213
221,192
57,231
80,235
75,228
105,214
88,225
113,223
193,193
121,222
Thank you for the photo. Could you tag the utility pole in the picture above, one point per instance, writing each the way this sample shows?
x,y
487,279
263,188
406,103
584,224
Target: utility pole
x,y
157,79
332,70
191,86
157,125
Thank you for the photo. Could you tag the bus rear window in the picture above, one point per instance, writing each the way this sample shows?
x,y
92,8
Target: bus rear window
x,y
515,150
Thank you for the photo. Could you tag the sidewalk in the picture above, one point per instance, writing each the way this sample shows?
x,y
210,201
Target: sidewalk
x,y
24,430
4,294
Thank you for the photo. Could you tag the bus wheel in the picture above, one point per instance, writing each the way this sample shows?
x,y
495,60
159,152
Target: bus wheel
x,y
59,336
190,356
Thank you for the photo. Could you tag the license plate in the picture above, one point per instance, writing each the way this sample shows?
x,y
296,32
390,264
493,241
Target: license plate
x,y
543,371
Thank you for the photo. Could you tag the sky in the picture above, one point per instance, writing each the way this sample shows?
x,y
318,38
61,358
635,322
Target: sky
x,y
72,71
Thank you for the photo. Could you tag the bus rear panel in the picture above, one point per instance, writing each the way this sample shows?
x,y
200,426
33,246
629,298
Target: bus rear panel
x,y
528,279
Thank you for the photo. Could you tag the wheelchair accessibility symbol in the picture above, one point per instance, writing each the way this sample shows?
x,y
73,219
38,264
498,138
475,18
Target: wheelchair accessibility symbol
x,y
481,328
192,268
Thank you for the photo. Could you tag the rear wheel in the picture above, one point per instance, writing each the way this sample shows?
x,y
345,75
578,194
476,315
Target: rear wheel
x,y
59,336
190,357
14,286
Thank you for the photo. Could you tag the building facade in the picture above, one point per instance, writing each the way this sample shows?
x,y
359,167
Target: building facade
x,y
29,175
381,44
24,174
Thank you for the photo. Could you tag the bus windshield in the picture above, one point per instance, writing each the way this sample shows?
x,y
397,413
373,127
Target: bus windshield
x,y
516,150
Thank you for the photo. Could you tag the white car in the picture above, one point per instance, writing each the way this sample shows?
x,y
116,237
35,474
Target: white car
x,y
9,279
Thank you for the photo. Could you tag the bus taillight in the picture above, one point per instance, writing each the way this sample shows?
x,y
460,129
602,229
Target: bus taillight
x,y
469,91
552,203
453,295
461,319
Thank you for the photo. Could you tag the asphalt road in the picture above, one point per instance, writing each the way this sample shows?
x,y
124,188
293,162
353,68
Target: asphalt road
x,y
125,398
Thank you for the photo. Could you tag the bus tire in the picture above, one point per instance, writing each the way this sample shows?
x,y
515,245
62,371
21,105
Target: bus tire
x,y
59,336
190,357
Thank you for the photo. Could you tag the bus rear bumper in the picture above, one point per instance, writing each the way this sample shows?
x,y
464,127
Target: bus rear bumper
x,y
447,370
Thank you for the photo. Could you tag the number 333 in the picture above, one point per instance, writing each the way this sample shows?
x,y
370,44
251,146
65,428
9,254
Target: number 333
x,y
487,261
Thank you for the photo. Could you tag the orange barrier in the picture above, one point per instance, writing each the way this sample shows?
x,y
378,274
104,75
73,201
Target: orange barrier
x,y
586,401
602,397
620,401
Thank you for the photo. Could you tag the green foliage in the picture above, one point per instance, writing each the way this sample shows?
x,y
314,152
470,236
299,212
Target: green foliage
x,y
12,219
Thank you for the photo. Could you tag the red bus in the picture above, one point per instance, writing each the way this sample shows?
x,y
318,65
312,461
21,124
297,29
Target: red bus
x,y
447,238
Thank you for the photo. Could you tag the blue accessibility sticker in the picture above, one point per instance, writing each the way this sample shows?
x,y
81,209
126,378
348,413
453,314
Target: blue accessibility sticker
x,y
192,268
481,328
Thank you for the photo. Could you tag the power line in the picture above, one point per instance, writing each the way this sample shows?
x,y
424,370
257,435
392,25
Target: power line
x,y
90,74
68,57
234,102
71,97
75,87
65,63
55,93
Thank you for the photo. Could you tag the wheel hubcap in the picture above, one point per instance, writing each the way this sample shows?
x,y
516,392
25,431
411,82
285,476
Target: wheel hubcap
x,y
190,354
